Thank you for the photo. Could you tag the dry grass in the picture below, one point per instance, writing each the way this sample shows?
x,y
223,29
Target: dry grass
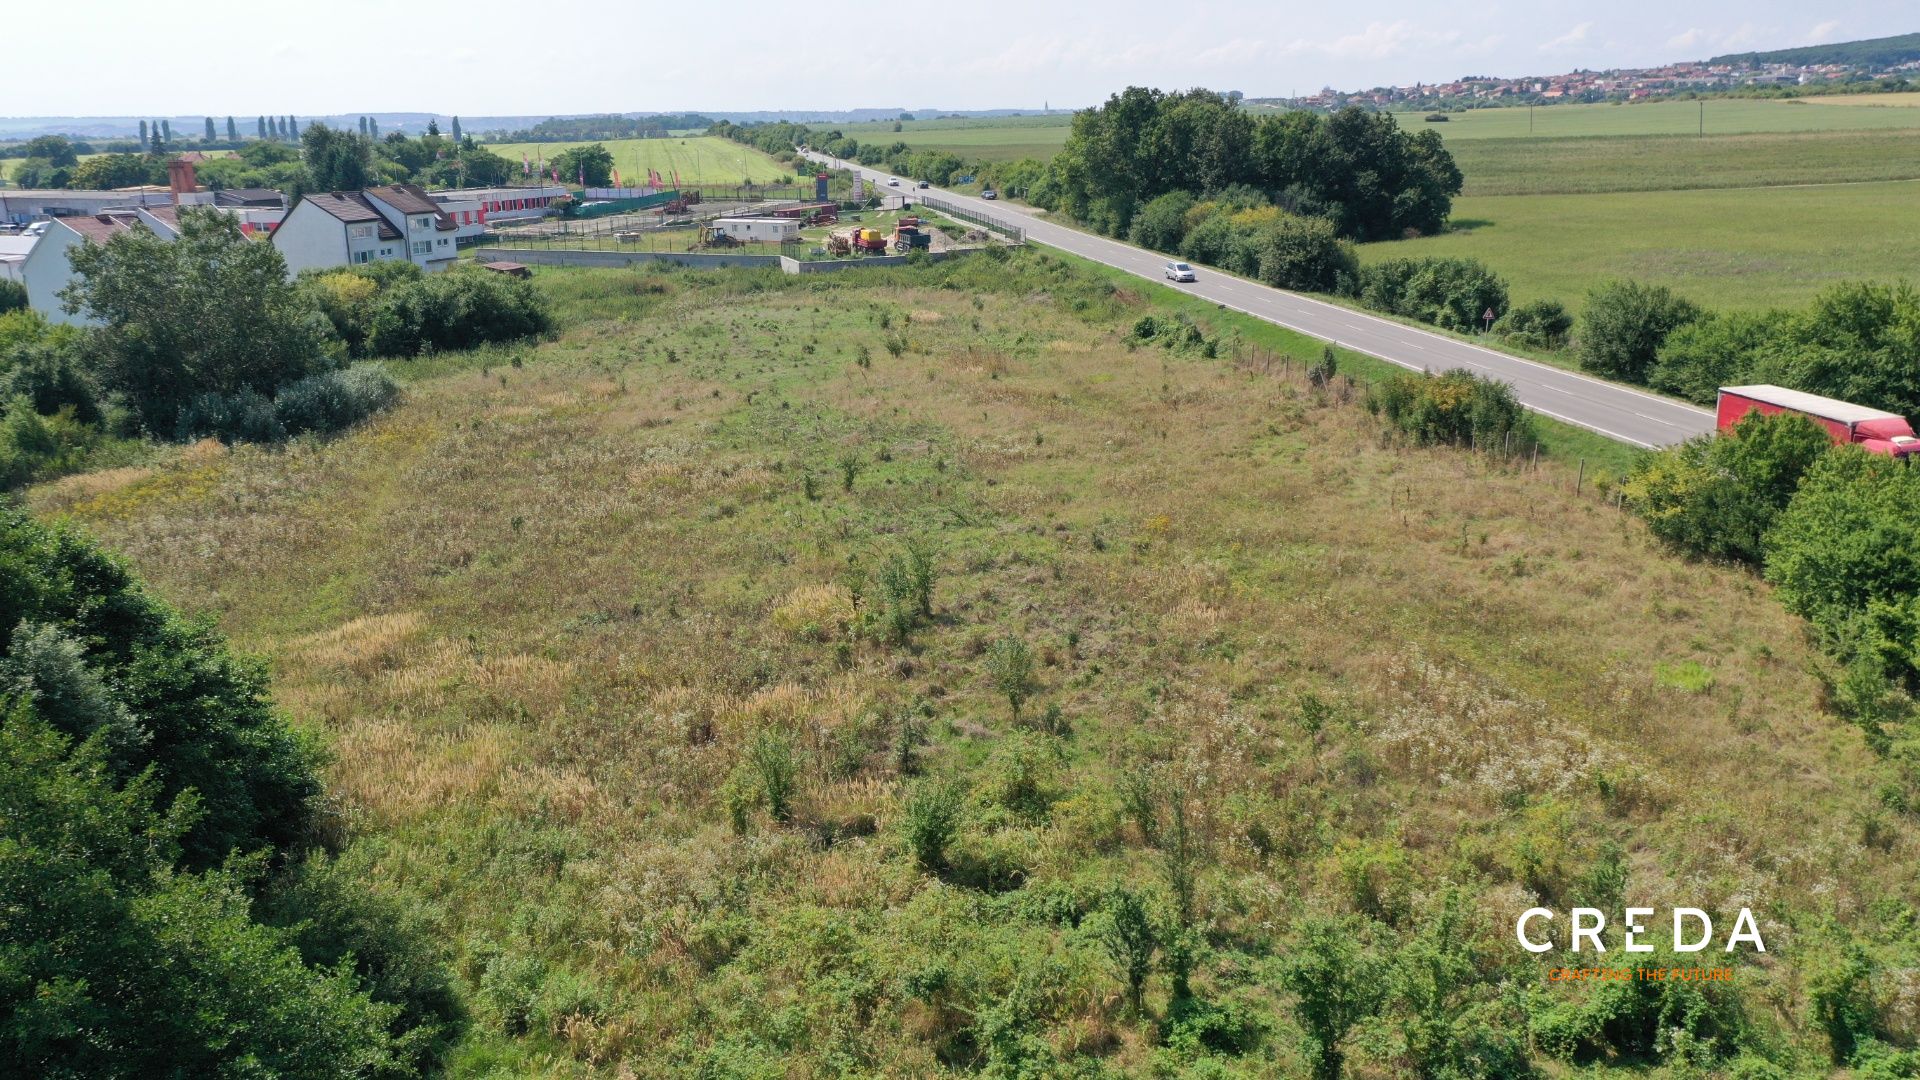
x,y
542,612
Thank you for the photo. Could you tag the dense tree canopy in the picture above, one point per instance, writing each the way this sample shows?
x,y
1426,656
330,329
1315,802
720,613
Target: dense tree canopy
x,y
1356,168
147,787
209,313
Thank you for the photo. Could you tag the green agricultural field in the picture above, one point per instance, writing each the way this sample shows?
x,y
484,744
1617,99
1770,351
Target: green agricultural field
x,y
700,159
1745,248
1576,165
779,676
1723,116
992,139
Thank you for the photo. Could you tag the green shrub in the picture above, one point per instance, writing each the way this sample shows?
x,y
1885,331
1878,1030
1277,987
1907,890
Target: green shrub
x,y
1010,669
1718,496
1625,324
13,296
334,400
931,819
1127,930
771,756
1454,294
1537,324
1305,253
1458,408
458,309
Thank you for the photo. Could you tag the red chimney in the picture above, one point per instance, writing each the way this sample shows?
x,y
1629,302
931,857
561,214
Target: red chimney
x,y
180,178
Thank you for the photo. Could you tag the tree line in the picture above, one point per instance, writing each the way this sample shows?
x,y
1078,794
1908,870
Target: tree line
x,y
320,158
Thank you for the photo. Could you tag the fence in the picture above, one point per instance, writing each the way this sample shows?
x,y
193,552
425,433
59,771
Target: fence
x,y
954,210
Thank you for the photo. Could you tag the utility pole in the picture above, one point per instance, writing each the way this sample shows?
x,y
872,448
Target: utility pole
x,y
1529,117
1703,116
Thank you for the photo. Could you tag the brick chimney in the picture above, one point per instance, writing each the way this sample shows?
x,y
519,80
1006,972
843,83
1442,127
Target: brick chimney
x,y
180,179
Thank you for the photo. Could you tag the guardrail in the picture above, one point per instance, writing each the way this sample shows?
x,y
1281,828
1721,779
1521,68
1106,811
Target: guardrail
x,y
954,210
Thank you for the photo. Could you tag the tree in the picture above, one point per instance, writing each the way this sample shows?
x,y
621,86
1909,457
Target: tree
x,y
55,149
363,127
1537,324
1624,325
210,313
1010,667
456,129
260,126
931,821
166,128
1719,496
233,131
589,166
1131,939
373,127
1858,341
1161,224
1718,349
143,133
335,160
1454,294
433,127
1845,555
212,134
148,784
1336,983
1305,253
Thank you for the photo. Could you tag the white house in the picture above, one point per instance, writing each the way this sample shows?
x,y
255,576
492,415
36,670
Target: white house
x,y
770,229
46,269
347,228
14,250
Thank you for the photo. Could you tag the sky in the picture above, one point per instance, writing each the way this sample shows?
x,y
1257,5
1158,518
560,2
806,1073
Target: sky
x,y
514,57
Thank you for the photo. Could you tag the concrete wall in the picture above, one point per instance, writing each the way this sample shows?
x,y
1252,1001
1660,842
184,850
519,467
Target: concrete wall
x,y
795,266
546,257
562,257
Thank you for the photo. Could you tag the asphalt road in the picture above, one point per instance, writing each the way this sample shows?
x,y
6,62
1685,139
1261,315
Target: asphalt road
x,y
1618,412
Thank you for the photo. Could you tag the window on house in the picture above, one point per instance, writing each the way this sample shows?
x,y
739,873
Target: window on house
x,y
362,256
423,223
360,232
422,247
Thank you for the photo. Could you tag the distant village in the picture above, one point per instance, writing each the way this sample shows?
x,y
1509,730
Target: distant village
x,y
1613,84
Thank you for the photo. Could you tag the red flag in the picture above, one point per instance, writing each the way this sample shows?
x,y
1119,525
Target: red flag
x,y
616,177
676,177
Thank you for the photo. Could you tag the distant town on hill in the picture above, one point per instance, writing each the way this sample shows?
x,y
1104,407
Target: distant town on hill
x,y
1851,66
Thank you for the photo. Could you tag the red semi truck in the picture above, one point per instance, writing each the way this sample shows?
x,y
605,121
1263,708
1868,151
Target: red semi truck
x,y
1871,429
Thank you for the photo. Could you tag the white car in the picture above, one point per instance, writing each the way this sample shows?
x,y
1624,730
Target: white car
x,y
893,181
1179,271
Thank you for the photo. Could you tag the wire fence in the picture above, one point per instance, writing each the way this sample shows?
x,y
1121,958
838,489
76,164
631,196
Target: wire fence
x,y
958,212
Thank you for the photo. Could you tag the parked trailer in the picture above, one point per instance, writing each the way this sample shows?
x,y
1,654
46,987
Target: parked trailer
x,y
1874,430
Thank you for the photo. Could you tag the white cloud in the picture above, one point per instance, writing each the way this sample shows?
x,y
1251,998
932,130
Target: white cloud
x,y
1572,39
1824,32
1693,36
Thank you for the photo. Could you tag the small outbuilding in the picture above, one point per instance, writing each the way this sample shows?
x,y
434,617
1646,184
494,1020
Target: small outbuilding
x,y
770,230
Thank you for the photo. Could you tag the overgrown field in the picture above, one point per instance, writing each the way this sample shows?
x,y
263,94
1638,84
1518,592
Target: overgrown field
x,y
849,675
1747,249
700,159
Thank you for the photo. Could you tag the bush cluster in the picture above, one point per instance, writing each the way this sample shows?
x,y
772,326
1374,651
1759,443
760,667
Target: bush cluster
x,y
151,793
1458,408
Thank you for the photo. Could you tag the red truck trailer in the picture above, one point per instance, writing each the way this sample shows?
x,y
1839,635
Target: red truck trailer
x,y
1871,429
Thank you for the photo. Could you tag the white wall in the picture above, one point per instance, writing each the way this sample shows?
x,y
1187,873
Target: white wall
x,y
47,271
311,237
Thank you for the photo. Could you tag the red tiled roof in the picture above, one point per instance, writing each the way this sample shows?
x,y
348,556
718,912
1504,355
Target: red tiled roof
x,y
352,207
99,228
413,199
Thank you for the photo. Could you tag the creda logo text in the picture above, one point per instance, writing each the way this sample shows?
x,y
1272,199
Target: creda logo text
x,y
1692,930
